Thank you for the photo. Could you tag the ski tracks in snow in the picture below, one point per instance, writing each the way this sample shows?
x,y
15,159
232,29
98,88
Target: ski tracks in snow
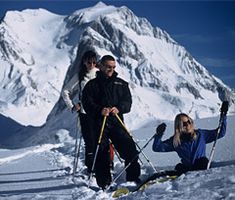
x,y
33,173
38,173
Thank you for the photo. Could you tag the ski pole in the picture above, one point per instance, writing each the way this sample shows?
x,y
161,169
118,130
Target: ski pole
x,y
117,154
133,159
123,125
214,143
78,155
98,146
77,151
119,119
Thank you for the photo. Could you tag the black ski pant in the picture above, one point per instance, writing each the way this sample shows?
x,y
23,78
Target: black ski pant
x,y
89,137
199,164
126,148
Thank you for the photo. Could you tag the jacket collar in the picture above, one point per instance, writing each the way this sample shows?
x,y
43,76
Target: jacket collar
x,y
101,76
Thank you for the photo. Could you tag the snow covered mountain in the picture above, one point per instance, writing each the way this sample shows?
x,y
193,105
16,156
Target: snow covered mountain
x,y
39,53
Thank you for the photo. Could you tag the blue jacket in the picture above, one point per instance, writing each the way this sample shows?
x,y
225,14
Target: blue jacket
x,y
190,150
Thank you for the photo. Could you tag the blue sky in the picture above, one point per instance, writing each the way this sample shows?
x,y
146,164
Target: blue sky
x,y
205,28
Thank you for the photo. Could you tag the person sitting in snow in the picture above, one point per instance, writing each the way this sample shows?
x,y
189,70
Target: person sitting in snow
x,y
188,142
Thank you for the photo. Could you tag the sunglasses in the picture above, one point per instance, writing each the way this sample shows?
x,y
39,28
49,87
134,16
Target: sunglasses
x,y
110,67
186,123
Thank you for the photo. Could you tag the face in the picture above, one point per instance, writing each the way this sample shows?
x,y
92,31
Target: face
x,y
108,68
90,64
187,125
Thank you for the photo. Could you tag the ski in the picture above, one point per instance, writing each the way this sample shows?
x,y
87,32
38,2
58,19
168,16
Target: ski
x,y
158,177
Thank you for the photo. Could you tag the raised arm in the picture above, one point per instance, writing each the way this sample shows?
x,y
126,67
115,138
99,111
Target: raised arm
x,y
210,135
158,144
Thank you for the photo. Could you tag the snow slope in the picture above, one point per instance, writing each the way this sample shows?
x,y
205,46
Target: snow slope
x,y
39,172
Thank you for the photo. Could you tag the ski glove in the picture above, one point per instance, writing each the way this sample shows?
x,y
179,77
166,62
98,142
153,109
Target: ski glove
x,y
160,129
76,108
224,108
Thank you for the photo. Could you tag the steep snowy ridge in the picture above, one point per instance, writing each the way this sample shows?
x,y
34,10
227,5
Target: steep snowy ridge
x,y
40,52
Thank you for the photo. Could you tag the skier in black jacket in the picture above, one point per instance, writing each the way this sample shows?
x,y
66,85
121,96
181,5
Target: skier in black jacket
x,y
108,95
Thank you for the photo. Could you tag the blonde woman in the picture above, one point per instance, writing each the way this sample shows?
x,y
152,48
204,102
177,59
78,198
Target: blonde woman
x,y
188,142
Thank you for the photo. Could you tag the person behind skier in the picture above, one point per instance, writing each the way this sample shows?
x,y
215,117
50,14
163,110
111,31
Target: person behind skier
x,y
87,71
188,142
108,95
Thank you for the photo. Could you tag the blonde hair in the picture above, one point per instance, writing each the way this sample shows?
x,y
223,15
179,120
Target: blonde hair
x,y
179,129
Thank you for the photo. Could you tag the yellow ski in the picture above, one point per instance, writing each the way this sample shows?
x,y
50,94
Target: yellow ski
x,y
141,187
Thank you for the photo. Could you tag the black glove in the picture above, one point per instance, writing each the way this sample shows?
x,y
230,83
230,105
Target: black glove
x,y
224,108
160,129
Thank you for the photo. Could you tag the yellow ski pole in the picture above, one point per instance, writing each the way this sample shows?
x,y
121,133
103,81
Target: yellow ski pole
x,y
141,151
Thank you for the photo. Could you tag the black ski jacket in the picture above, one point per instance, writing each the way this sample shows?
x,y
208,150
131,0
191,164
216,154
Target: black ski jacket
x,y
106,92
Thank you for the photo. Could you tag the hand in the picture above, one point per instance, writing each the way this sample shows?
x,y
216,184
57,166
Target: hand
x,y
160,129
114,110
105,112
76,107
224,108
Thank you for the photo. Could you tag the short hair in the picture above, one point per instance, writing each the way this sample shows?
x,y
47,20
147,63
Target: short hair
x,y
106,58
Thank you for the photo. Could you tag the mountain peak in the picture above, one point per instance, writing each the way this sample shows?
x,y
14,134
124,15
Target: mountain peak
x,y
36,62
90,14
14,15
100,4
